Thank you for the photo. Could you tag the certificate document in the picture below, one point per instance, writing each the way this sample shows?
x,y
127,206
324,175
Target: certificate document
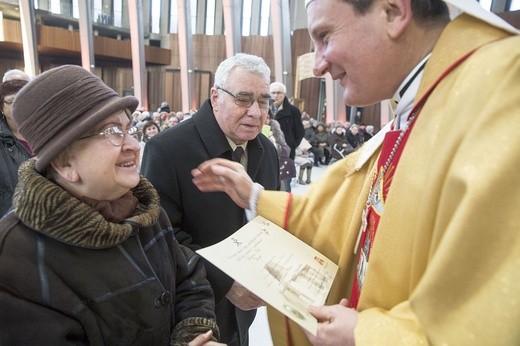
x,y
279,268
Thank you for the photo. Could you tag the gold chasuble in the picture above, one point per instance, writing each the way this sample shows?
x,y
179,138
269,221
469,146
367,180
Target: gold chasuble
x,y
444,265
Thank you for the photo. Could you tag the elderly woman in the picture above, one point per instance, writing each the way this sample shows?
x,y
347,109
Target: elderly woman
x,y
13,148
87,255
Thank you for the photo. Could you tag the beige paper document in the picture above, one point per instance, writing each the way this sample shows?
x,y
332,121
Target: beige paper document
x,y
276,266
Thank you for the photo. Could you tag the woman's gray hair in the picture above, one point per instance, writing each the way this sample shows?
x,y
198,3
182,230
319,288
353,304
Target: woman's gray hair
x,y
248,62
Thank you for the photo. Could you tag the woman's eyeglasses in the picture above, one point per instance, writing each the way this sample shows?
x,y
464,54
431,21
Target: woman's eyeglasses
x,y
116,135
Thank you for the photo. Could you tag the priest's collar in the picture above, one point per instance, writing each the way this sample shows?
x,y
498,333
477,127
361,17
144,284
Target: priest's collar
x,y
405,94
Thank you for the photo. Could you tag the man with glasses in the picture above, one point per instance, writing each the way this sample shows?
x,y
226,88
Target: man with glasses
x,y
287,115
231,118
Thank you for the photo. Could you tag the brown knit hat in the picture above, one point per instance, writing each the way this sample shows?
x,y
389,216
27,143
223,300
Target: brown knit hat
x,y
60,106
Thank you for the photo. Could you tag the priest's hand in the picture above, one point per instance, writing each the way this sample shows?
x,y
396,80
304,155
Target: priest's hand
x,y
226,176
336,325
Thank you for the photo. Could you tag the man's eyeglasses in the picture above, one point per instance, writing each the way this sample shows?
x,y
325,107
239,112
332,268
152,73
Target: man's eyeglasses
x,y
244,100
116,135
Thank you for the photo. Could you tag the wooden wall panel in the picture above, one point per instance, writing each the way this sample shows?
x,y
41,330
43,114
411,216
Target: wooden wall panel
x,y
177,92
157,55
261,46
371,115
163,87
118,78
156,88
169,89
309,88
204,84
10,64
12,31
309,92
300,44
58,38
163,81
208,52
58,41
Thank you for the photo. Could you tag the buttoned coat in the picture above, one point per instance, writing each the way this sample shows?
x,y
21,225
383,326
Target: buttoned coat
x,y
206,218
69,276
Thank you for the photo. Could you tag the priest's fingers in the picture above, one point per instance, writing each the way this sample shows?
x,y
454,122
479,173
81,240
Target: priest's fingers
x,y
336,325
226,176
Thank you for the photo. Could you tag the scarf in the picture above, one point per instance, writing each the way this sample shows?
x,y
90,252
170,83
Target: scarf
x,y
51,210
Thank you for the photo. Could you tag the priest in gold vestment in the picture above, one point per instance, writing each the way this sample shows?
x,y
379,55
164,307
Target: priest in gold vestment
x,y
444,266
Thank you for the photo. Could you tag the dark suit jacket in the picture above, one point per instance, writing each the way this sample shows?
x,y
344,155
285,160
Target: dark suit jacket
x,y
290,120
206,218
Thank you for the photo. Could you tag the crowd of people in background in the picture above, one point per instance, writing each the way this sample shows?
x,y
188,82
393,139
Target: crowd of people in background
x,y
163,117
324,144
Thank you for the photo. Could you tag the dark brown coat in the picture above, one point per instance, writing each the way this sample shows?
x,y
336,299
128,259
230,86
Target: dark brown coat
x,y
68,276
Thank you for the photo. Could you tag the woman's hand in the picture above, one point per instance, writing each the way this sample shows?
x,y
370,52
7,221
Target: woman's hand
x,y
204,340
226,176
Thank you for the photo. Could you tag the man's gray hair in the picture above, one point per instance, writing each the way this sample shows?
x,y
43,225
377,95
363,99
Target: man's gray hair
x,y
15,75
277,85
248,62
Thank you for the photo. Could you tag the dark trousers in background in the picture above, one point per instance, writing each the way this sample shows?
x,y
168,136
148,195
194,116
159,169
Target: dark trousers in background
x,y
285,185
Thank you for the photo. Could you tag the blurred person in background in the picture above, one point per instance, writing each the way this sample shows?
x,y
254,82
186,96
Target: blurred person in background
x,y
289,118
287,167
14,149
369,132
150,129
15,75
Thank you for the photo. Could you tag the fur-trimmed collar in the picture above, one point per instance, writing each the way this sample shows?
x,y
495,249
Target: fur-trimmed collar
x,y
49,209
